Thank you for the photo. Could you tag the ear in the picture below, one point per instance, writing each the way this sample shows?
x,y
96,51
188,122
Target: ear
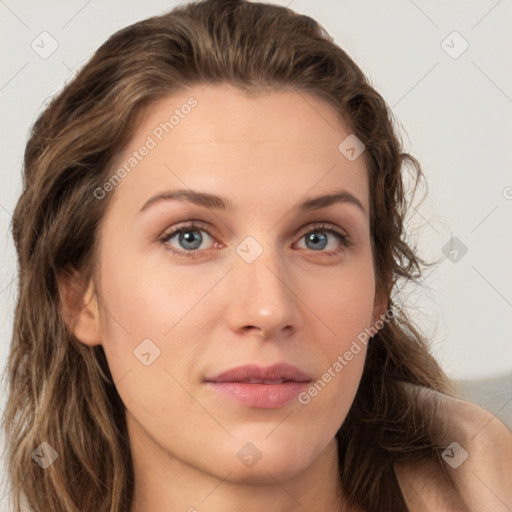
x,y
79,308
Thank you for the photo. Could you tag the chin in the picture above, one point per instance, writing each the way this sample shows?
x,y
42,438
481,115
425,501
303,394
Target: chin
x,y
263,461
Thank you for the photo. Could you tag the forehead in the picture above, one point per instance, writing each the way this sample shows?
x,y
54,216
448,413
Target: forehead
x,y
217,138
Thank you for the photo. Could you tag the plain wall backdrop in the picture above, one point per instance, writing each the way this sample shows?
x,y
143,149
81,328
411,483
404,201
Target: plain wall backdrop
x,y
443,67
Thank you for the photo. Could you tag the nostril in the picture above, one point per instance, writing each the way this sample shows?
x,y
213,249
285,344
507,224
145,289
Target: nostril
x,y
251,327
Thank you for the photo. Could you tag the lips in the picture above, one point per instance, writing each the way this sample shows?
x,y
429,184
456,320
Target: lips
x,y
260,387
254,374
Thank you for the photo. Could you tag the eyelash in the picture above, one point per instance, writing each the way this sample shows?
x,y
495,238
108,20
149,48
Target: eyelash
x,y
198,226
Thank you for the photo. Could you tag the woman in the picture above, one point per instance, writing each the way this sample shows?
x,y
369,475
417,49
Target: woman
x,y
209,238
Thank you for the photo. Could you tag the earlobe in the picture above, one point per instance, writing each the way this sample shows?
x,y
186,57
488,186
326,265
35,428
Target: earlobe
x,y
79,308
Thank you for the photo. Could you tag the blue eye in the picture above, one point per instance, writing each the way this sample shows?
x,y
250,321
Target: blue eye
x,y
190,237
317,239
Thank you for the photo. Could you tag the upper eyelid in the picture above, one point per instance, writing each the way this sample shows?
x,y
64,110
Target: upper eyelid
x,y
322,225
187,225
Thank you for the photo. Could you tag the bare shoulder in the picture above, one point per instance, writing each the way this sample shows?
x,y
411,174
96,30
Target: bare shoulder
x,y
477,458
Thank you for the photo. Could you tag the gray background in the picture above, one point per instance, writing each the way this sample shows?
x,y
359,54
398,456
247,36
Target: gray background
x,y
455,112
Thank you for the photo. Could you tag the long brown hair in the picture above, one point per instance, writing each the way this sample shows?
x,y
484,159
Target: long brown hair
x,y
60,390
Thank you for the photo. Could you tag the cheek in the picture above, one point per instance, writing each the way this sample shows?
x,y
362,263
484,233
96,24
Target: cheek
x,y
342,355
343,302
152,309
330,397
345,307
149,298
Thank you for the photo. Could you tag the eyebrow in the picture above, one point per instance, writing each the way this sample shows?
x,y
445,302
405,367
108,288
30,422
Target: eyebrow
x,y
215,202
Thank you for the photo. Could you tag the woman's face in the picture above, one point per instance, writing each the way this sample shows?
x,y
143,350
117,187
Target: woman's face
x,y
259,281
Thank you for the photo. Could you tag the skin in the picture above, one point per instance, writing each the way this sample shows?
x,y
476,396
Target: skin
x,y
293,303
211,313
483,479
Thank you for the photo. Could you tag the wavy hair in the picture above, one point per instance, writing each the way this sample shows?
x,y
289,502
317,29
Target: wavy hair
x,y
61,391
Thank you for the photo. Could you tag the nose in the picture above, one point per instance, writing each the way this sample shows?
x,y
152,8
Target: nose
x,y
263,301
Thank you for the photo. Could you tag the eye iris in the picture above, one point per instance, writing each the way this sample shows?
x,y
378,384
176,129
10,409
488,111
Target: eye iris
x,y
313,237
186,237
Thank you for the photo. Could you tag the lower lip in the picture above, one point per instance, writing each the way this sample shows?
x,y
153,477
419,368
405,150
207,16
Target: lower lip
x,y
261,396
